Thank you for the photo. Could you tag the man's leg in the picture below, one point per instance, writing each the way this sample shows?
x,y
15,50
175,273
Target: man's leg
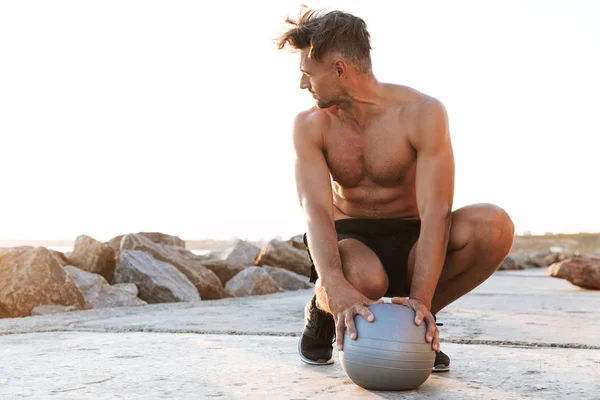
x,y
362,268
481,237
315,346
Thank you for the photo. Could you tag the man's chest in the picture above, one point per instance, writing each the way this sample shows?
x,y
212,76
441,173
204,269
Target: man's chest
x,y
381,154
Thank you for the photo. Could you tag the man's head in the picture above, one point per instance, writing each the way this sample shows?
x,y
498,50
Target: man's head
x,y
334,46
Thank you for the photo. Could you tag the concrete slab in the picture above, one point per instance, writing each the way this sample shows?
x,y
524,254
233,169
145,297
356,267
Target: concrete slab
x,y
519,335
76,365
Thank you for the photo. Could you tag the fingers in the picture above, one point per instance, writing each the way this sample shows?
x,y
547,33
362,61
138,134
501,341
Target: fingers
x,y
419,316
400,300
350,324
432,333
366,313
436,341
431,328
339,331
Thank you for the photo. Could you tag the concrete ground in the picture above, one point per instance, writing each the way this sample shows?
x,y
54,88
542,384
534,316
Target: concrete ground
x,y
519,335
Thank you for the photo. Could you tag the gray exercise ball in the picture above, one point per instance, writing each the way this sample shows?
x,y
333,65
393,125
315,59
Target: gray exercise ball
x,y
390,353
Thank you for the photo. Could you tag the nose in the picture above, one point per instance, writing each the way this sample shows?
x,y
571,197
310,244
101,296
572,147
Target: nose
x,y
304,83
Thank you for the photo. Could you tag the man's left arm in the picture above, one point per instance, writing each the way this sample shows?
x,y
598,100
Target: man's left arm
x,y
434,194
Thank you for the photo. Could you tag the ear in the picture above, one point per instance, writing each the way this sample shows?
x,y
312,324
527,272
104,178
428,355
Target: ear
x,y
341,68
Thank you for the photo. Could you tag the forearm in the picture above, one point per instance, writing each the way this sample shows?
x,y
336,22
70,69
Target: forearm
x,y
430,256
323,245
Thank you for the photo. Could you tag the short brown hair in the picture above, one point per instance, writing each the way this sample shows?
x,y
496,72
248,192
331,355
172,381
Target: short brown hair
x,y
329,32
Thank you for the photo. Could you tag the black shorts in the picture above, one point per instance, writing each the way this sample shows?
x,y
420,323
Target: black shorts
x,y
390,239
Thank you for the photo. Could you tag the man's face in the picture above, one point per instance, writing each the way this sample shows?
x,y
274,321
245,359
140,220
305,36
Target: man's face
x,y
319,79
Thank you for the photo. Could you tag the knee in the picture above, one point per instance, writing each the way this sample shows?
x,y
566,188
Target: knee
x,y
373,287
371,282
494,227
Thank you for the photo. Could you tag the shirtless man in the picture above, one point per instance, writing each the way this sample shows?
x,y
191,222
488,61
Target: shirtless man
x,y
375,179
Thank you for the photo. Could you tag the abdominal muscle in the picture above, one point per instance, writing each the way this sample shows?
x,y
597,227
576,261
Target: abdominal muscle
x,y
400,205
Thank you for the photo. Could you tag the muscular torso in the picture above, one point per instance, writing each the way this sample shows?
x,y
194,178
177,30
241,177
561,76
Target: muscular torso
x,y
372,168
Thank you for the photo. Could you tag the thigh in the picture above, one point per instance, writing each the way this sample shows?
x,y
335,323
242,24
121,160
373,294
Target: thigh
x,y
461,232
468,223
362,268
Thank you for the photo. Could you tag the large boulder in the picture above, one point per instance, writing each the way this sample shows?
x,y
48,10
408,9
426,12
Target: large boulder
x,y
543,259
240,252
157,281
583,272
60,257
251,282
278,253
32,276
155,237
207,282
93,256
223,269
287,280
100,294
514,262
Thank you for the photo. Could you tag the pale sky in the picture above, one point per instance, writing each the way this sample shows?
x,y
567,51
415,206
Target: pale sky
x,y
126,116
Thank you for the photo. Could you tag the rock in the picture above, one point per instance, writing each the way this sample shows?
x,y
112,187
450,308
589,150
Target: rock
x,y
287,280
157,281
128,287
216,253
207,282
223,269
281,254
100,294
31,277
514,262
60,257
48,310
251,282
543,259
297,242
240,252
155,237
93,256
583,272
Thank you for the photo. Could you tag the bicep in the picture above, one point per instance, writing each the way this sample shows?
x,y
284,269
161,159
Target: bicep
x,y
313,182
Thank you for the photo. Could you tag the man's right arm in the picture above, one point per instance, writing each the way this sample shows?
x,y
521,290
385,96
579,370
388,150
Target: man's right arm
x,y
334,293
315,195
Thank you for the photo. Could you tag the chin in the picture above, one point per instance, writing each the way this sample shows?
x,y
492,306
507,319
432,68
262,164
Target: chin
x,y
322,104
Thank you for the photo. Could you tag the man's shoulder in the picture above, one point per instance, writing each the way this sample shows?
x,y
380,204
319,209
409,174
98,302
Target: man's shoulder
x,y
311,117
313,120
412,98
426,114
309,126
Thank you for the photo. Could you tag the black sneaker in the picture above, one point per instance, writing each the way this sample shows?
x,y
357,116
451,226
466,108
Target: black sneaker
x,y
315,347
442,361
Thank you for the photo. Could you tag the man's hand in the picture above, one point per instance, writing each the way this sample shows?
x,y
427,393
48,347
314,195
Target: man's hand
x,y
344,302
422,313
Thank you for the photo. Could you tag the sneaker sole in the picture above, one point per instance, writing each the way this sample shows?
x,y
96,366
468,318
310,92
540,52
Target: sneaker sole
x,y
440,368
312,362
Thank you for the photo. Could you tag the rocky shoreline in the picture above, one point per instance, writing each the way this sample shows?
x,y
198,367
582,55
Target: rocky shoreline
x,y
150,267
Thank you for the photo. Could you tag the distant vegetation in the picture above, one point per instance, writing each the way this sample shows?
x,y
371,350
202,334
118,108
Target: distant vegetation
x,y
584,243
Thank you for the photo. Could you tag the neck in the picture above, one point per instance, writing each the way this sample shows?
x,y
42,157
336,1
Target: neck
x,y
361,100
